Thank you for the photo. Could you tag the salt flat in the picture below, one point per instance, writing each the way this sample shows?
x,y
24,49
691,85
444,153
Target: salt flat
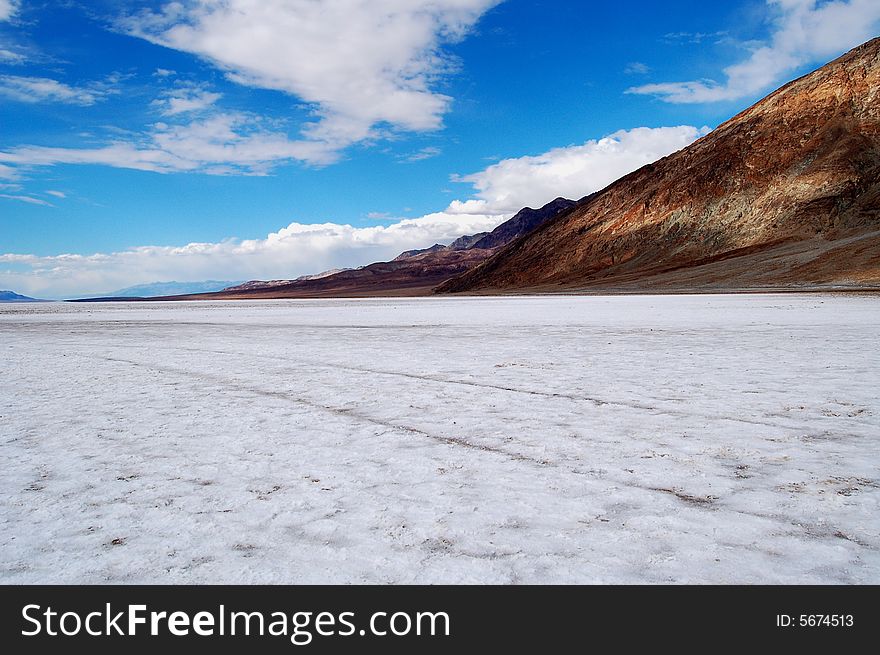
x,y
508,440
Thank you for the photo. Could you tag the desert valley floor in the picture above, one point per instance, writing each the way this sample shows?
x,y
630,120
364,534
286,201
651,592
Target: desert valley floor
x,y
444,440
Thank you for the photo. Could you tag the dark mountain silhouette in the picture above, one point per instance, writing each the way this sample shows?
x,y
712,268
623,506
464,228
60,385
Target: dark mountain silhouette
x,y
524,222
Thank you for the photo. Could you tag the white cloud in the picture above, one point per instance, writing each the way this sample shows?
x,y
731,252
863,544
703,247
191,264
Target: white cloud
x,y
186,99
299,249
221,144
57,194
10,57
365,66
427,152
8,9
572,171
805,31
42,89
694,37
26,199
362,64
9,173
292,251
636,68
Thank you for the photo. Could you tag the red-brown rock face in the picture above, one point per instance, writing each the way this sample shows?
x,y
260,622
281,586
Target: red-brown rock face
x,y
785,193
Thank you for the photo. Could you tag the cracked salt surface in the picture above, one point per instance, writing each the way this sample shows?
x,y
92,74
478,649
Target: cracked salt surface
x,y
506,440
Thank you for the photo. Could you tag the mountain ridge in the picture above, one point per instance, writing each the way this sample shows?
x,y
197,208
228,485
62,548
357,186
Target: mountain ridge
x,y
412,273
10,296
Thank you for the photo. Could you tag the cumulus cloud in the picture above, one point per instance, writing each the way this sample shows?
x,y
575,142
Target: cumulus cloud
x,y
805,31
299,249
8,9
572,171
362,64
42,89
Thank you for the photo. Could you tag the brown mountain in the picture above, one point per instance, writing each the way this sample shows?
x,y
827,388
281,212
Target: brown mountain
x,y
785,194
412,273
409,254
467,241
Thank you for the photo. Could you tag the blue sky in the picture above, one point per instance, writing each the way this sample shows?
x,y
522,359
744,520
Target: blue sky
x,y
239,139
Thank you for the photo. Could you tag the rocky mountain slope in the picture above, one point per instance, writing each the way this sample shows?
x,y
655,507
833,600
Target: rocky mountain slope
x,y
785,194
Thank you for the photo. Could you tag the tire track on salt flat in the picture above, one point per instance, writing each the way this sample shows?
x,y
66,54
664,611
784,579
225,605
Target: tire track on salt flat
x,y
598,402
697,502
337,411
363,418
423,378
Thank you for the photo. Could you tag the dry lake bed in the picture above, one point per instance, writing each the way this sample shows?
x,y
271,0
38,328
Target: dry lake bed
x,y
626,439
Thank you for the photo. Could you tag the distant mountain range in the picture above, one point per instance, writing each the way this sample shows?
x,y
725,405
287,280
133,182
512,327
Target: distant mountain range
x,y
11,296
261,284
784,195
154,289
